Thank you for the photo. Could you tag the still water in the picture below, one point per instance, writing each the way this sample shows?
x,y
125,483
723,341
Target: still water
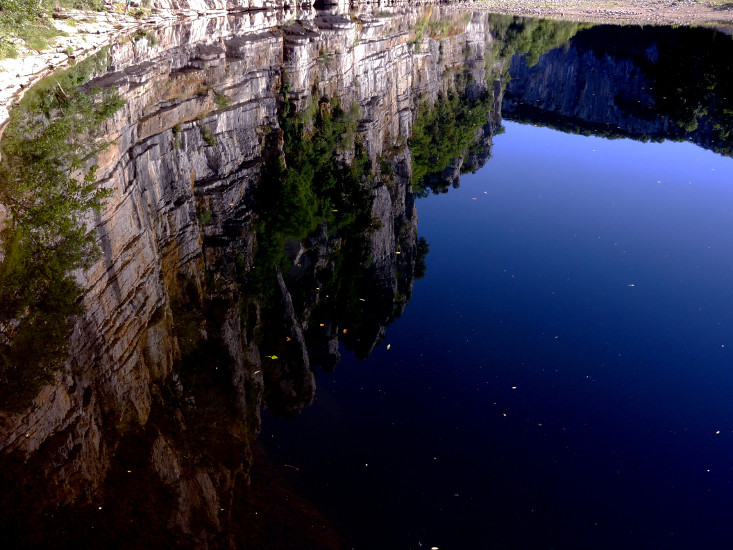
x,y
249,340
561,377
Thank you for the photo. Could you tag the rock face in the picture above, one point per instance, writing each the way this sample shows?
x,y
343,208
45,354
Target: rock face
x,y
224,280
147,430
208,6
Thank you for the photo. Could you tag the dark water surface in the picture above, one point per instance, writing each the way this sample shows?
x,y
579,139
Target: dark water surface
x,y
250,341
561,377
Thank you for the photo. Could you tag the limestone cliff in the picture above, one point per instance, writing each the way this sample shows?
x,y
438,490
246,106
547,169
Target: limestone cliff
x,y
148,427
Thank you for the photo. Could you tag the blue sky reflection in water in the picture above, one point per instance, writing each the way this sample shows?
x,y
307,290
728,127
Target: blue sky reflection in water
x,y
562,375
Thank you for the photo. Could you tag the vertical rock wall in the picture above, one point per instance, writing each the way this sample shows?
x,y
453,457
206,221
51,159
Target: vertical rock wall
x,y
185,160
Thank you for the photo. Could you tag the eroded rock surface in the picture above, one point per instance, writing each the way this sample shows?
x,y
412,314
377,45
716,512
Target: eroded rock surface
x,y
148,429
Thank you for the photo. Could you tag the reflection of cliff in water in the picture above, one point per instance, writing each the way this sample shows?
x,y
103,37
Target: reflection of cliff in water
x,y
261,215
263,175
652,84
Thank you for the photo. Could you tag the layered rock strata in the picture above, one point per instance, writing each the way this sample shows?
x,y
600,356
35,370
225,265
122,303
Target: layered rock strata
x,y
171,359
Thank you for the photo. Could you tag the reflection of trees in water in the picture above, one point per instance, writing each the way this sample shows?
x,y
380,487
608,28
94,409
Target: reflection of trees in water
x,y
442,133
48,185
531,37
458,125
308,183
314,231
335,255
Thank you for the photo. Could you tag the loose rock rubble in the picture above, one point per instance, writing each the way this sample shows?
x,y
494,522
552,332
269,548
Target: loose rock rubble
x,y
718,13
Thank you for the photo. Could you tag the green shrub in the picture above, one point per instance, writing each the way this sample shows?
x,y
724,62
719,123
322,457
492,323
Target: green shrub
x,y
208,136
222,101
48,186
444,131
28,20
205,216
7,49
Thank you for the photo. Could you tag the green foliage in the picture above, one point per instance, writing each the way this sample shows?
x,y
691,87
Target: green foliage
x,y
691,85
28,20
150,36
38,37
533,37
438,26
222,101
687,76
422,249
7,49
309,186
90,5
17,12
205,217
447,130
444,131
48,184
139,13
208,136
44,97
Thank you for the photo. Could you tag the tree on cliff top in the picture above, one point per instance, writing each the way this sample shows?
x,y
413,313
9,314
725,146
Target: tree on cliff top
x,y
48,186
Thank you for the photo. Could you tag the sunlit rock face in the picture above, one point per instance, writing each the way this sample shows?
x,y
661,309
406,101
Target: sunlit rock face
x,y
208,6
182,337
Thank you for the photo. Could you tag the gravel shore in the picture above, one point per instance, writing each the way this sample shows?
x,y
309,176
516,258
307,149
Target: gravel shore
x,y
717,14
